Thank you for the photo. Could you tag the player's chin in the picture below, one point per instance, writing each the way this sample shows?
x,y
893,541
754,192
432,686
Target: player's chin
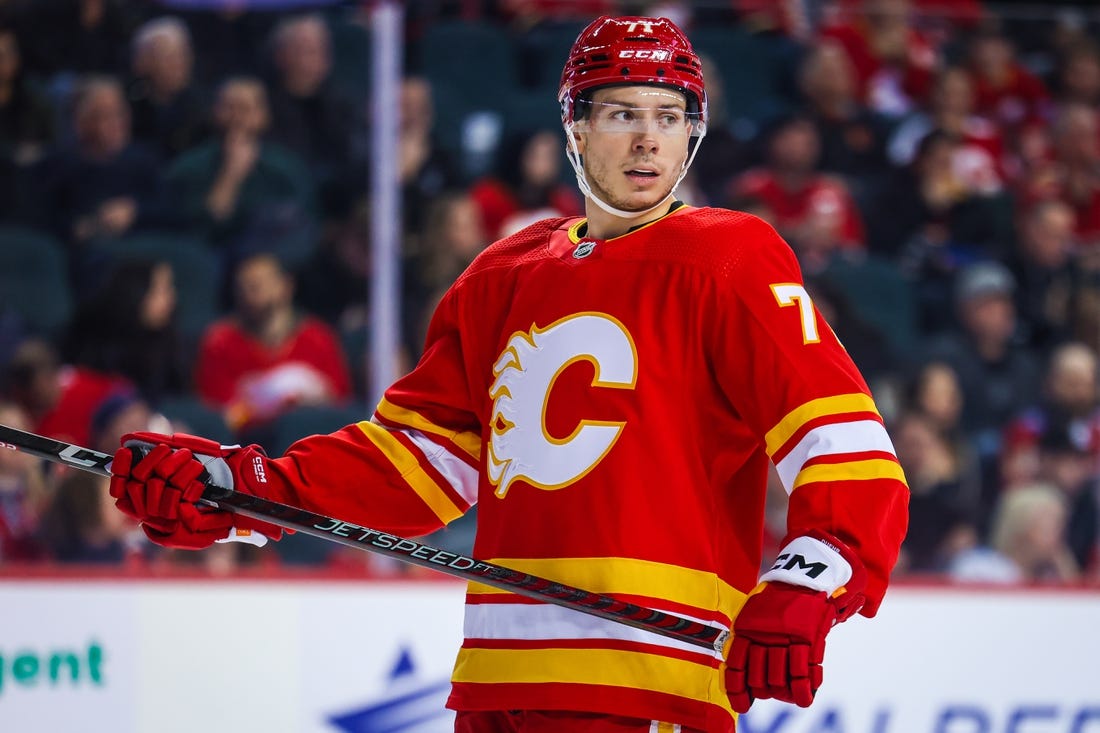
x,y
643,201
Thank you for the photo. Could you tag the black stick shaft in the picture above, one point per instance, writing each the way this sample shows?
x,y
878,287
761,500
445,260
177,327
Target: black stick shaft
x,y
400,548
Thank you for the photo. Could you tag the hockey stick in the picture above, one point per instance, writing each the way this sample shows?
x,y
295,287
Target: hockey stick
x,y
410,551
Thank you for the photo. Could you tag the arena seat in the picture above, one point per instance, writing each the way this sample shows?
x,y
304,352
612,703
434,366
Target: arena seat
x,y
34,279
197,418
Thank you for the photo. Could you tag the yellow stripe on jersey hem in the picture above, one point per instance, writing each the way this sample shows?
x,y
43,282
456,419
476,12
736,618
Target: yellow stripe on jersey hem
x,y
468,441
799,416
630,576
412,472
614,667
851,471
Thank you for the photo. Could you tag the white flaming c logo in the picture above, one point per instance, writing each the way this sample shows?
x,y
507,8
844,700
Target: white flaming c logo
x,y
519,446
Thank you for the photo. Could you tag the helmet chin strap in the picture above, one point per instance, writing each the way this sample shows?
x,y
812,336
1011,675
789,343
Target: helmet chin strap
x,y
575,159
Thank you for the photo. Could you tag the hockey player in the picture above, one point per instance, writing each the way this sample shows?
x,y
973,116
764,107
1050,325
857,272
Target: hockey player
x,y
610,391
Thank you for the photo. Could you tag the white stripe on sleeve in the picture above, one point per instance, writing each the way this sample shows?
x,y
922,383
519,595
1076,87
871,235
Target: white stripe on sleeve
x,y
833,439
459,474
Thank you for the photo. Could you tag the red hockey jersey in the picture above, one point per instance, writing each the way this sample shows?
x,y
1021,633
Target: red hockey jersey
x,y
612,407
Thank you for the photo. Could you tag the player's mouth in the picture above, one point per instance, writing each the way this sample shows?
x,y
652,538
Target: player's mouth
x,y
642,175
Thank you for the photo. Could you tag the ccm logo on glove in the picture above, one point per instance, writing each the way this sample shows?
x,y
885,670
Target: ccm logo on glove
x,y
258,468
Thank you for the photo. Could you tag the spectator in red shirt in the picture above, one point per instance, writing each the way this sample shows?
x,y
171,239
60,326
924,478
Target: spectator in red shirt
x,y
59,399
802,200
267,357
1074,174
24,496
1005,92
894,62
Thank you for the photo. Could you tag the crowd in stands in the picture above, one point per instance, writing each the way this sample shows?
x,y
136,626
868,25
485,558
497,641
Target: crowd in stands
x,y
202,175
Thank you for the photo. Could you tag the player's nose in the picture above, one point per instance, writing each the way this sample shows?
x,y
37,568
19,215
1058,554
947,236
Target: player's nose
x,y
646,142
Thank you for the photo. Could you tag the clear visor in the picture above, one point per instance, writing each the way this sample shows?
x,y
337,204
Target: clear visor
x,y
666,119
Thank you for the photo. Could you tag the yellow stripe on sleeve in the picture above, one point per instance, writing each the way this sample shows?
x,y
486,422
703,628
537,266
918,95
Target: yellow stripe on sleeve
x,y
799,416
851,471
468,441
412,472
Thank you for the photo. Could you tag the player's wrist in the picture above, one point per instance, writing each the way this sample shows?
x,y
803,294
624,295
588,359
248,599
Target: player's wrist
x,y
820,562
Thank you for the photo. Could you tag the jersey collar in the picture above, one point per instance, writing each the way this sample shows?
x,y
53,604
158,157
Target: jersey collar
x,y
579,230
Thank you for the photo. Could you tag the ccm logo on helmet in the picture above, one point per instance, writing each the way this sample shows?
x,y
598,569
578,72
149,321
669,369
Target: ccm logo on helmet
x,y
647,54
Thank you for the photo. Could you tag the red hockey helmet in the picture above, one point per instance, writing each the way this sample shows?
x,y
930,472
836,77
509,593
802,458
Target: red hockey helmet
x,y
632,50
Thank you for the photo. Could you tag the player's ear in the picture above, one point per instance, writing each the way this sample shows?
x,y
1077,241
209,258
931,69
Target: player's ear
x,y
579,139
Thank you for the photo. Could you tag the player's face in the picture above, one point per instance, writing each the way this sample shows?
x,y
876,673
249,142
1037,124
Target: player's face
x,y
634,144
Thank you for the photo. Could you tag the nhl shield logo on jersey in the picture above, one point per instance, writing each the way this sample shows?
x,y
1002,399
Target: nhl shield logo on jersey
x,y
520,448
584,248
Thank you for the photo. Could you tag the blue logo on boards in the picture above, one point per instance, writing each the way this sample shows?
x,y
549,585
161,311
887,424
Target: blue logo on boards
x,y
408,705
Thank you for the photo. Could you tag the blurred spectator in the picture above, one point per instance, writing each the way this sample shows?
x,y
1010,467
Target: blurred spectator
x,y
726,154
1069,406
936,395
1044,268
453,236
943,506
1075,471
170,111
996,373
24,496
1084,308
1006,93
933,221
1078,80
526,13
424,168
764,16
105,185
267,356
82,525
853,138
59,399
807,206
978,156
26,128
1074,174
310,116
26,118
334,283
527,185
229,187
230,37
894,63
80,36
128,328
1027,543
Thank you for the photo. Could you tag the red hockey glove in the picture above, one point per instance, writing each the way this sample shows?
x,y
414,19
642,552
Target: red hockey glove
x,y
157,480
779,635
